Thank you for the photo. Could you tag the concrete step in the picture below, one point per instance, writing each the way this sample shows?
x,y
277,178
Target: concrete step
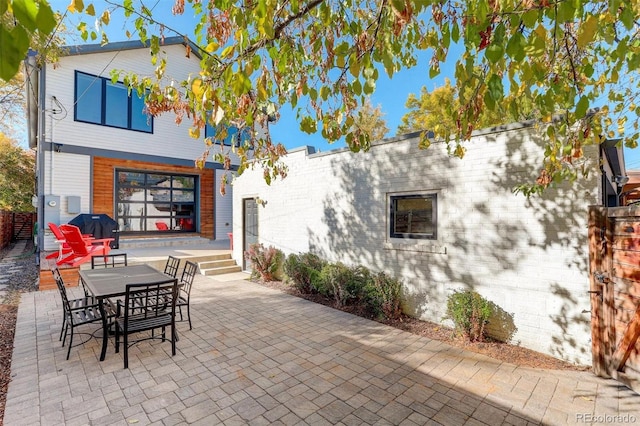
x,y
221,270
221,262
128,243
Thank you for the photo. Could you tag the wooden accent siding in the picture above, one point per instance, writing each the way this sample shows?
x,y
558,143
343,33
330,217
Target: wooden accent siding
x,y
103,183
70,277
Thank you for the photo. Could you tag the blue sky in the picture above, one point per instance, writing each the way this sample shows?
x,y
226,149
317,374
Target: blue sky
x,y
390,94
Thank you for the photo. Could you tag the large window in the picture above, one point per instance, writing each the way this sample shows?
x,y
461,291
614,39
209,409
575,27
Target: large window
x,y
99,101
413,216
156,202
233,136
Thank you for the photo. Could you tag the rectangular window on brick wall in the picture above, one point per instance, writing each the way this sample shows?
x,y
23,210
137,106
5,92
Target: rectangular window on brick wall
x,y
413,216
99,101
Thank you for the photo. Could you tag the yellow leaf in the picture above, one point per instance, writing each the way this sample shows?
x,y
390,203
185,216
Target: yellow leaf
x,y
211,47
587,31
90,10
75,6
106,17
194,133
196,87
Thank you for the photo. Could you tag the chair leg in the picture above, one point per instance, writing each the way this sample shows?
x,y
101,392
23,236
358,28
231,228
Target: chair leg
x,y
66,330
117,338
189,316
64,323
173,339
70,342
126,350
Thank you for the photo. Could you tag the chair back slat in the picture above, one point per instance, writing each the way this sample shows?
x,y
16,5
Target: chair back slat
x,y
61,288
112,260
73,237
172,266
188,274
150,300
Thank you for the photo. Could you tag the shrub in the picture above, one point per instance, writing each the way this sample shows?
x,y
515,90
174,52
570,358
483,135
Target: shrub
x,y
383,296
470,313
341,282
265,261
303,271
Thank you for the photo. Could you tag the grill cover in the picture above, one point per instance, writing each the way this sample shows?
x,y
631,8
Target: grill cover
x,y
99,225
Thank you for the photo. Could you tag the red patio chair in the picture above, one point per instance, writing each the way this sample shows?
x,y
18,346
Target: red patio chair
x,y
64,247
81,248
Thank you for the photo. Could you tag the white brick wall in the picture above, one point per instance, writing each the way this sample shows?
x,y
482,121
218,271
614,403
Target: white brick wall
x,y
529,256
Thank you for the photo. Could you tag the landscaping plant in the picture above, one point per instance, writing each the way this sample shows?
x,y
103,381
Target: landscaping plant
x,y
341,282
470,313
265,261
383,295
303,272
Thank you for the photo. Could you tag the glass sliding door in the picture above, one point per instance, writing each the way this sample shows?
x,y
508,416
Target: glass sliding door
x,y
155,202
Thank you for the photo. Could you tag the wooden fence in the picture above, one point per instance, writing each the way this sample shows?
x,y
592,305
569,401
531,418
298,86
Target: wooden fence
x,y
16,226
614,253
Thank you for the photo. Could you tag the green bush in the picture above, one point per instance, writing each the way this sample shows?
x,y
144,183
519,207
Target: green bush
x,y
342,283
383,296
266,262
303,272
470,313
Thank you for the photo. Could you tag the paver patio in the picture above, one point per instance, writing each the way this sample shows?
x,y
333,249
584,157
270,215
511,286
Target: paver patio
x,y
257,356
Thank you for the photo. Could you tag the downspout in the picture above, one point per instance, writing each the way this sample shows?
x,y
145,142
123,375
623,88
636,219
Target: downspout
x,y
36,113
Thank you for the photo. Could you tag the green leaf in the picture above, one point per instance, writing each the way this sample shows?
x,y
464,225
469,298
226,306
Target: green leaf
x,y
581,107
516,47
494,53
25,12
455,32
13,49
46,20
496,89
566,11
530,18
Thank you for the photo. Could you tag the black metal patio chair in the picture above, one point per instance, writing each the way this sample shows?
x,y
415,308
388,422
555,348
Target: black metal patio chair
x,y
184,293
147,307
77,312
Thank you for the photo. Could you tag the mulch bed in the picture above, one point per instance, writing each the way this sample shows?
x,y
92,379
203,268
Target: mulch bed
x,y
512,354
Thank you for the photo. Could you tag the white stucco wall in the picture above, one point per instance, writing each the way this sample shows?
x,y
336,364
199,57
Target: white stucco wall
x,y
529,256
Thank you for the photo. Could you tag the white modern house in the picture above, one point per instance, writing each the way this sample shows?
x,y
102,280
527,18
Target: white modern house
x,y
99,152
441,223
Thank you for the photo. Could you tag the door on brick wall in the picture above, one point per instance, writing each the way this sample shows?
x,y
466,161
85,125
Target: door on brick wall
x,y
614,257
250,227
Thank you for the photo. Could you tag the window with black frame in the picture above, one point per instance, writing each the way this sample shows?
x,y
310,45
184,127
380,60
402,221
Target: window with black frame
x,y
230,135
155,202
413,216
100,101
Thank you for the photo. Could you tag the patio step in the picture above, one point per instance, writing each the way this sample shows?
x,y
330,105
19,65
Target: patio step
x,y
128,243
219,266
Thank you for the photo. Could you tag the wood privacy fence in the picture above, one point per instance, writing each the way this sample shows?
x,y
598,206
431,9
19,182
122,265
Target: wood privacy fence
x,y
15,226
614,258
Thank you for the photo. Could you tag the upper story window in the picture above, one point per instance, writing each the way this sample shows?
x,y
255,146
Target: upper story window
x,y
234,136
99,101
413,216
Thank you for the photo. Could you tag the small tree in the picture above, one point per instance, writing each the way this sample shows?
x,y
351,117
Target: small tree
x,y
17,176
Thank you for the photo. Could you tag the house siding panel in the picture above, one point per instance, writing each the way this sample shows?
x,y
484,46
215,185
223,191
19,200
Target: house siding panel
x,y
529,256
90,175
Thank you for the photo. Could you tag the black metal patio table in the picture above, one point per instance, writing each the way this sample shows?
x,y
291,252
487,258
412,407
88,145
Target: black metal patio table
x,y
108,283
